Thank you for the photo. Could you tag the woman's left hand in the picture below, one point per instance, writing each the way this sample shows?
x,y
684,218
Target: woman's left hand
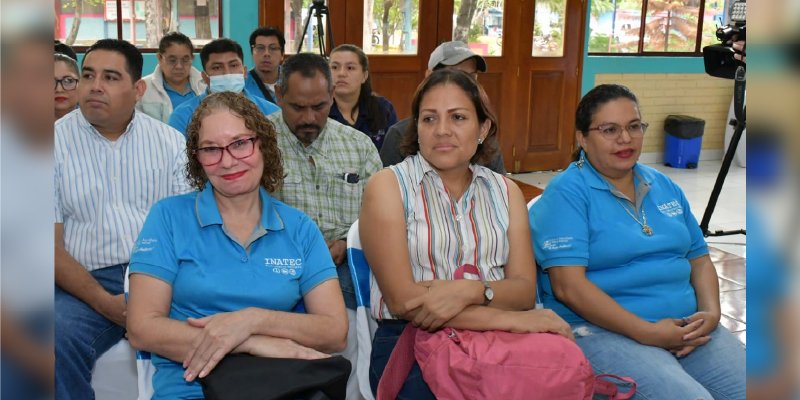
x,y
700,335
221,334
443,301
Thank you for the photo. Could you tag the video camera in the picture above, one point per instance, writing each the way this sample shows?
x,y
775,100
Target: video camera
x,y
718,58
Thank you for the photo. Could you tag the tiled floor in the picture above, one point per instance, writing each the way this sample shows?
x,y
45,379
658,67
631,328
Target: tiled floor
x,y
729,214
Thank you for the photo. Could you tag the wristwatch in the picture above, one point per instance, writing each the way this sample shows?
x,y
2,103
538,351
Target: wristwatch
x,y
488,293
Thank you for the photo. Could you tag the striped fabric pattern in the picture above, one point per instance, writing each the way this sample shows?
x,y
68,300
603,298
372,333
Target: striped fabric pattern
x,y
444,234
104,189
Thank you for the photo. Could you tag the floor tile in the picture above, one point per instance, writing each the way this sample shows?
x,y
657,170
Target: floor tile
x,y
733,304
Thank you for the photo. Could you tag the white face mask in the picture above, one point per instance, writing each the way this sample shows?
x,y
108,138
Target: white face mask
x,y
226,83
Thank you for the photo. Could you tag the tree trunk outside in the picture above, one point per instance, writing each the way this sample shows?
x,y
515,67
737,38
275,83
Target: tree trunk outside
x,y
152,23
202,22
369,22
387,6
297,10
76,23
463,20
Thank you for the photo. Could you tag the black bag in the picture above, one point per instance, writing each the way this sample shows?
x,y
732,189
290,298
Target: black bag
x,y
243,376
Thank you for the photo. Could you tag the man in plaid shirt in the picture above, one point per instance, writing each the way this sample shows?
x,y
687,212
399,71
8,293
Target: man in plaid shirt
x,y
327,164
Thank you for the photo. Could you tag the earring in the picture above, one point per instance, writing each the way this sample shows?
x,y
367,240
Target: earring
x,y
581,159
480,140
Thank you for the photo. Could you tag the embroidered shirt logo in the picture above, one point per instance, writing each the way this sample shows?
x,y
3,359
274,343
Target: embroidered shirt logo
x,y
671,208
564,242
145,245
284,266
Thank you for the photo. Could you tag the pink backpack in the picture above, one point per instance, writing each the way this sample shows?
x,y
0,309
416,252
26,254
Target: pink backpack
x,y
463,364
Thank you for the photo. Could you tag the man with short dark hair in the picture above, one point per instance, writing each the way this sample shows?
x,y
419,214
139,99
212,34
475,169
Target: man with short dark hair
x,y
327,165
223,70
111,164
454,55
268,46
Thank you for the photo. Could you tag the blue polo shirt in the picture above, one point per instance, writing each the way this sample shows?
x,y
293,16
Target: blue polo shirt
x,y
175,97
579,221
184,243
182,115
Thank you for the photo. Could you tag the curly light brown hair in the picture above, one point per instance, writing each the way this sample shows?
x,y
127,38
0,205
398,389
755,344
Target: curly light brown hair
x,y
409,144
254,120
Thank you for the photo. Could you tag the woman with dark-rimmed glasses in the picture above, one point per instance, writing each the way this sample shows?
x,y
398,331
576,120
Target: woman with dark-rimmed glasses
x,y
220,270
66,78
624,262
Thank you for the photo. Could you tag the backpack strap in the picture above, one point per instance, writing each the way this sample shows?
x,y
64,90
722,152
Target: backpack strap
x,y
602,385
262,87
399,365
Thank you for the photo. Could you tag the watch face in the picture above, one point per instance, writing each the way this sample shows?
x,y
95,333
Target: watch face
x,y
488,293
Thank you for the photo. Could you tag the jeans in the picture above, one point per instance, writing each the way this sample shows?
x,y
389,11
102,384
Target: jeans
x,y
383,343
715,370
83,335
346,283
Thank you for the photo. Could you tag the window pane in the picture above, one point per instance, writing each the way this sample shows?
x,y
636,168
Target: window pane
x,y
295,21
714,17
143,22
617,19
671,26
479,23
84,26
391,26
548,28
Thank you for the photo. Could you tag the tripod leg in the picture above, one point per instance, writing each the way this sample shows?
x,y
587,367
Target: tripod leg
x,y
723,172
320,34
305,29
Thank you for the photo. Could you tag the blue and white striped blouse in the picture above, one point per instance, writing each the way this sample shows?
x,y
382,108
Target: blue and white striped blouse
x,y
443,233
104,189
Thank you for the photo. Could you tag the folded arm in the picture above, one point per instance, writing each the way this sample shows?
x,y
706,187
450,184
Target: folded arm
x,y
458,303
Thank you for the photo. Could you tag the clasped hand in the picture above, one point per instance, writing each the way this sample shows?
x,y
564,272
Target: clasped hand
x,y
221,333
443,301
682,336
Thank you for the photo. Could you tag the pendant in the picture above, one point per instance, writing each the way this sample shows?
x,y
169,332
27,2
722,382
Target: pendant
x,y
647,230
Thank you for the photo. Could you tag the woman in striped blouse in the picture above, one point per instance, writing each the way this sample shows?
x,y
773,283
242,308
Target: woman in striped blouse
x,y
438,215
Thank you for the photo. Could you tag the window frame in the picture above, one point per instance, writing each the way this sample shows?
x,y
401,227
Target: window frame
x,y
640,52
150,50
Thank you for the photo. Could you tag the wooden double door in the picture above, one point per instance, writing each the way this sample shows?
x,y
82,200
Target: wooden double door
x,y
534,90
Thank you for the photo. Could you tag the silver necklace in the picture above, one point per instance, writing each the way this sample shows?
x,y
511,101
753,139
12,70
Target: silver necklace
x,y
646,229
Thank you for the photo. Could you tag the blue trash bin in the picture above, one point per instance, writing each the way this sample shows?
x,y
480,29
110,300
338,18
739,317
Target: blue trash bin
x,y
683,138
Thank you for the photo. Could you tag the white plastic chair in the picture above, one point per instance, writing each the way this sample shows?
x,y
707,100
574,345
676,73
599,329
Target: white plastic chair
x,y
365,323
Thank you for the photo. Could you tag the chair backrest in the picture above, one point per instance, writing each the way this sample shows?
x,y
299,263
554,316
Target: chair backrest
x,y
359,268
144,367
538,270
365,324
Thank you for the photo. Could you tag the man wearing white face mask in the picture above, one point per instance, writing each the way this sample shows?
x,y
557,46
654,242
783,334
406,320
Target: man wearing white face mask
x,y
223,71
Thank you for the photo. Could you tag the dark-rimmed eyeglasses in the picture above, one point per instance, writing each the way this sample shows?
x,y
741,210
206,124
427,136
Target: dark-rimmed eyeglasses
x,y
261,49
238,149
613,131
67,83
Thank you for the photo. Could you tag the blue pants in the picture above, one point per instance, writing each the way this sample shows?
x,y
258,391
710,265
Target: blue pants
x,y
715,370
383,343
346,284
82,335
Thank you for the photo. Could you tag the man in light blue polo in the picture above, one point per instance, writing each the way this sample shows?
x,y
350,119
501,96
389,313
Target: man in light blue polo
x,y
223,70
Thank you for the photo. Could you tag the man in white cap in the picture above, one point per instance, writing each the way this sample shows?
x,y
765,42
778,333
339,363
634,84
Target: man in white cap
x,y
455,55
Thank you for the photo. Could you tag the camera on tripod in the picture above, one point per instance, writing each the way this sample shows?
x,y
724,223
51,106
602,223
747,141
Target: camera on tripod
x,y
718,58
